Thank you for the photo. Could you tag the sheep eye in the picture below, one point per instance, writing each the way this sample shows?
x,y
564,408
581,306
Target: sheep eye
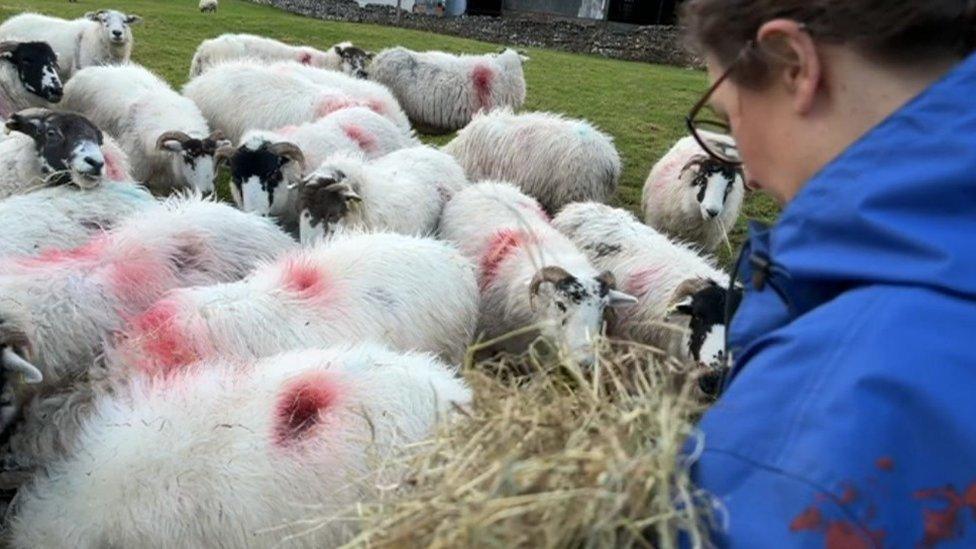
x,y
52,133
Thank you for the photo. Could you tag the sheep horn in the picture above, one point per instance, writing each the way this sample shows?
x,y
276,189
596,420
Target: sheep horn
x,y
13,362
223,154
289,151
173,135
8,46
551,274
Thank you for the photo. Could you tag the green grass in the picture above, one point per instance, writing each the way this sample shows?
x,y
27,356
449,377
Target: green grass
x,y
641,105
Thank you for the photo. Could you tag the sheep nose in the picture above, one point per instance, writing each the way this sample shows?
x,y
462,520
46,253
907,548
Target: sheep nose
x,y
117,33
94,163
712,212
55,95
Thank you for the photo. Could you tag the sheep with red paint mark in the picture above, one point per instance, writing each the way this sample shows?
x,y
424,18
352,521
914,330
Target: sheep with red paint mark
x,y
554,159
530,274
268,166
164,134
681,295
404,192
249,453
343,57
441,92
692,196
409,292
239,96
59,308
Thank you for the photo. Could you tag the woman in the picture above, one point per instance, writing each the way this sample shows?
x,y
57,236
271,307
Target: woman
x,y
849,418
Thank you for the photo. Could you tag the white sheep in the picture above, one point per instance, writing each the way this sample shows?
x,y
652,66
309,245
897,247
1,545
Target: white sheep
x,y
238,96
692,196
555,160
668,278
163,133
102,37
65,217
28,76
58,308
343,57
404,191
208,6
268,165
50,148
529,273
411,293
441,92
240,454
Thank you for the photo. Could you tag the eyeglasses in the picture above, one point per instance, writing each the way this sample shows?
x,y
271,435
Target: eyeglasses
x,y
703,128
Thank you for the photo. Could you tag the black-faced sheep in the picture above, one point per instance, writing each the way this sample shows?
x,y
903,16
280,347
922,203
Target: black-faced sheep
x,y
28,76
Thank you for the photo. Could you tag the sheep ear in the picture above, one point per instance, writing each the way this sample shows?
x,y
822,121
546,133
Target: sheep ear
x,y
94,16
133,19
682,307
338,50
370,55
28,125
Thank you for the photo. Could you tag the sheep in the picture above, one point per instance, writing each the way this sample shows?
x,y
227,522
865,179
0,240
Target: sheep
x,y
208,6
59,307
414,294
28,76
692,196
442,92
343,57
672,282
240,455
163,133
268,165
553,159
102,37
49,147
404,191
238,96
529,273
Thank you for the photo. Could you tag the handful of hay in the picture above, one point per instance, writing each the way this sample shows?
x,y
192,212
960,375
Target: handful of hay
x,y
556,458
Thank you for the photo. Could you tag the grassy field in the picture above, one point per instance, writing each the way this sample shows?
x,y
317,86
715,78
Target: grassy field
x,y
641,105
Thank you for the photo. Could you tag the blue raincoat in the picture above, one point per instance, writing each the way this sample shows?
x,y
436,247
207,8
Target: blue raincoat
x,y
849,419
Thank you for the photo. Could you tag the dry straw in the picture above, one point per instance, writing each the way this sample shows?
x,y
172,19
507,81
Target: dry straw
x,y
558,457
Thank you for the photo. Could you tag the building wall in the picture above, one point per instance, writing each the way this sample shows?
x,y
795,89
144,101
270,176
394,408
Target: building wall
x,y
565,8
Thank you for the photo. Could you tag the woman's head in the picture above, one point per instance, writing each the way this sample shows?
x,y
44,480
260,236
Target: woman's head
x,y
808,77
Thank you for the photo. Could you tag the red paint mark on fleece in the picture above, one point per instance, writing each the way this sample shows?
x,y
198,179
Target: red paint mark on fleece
x,y
809,519
503,244
329,104
161,342
481,78
113,166
885,463
363,139
90,252
943,524
305,279
286,130
305,58
643,280
301,406
376,106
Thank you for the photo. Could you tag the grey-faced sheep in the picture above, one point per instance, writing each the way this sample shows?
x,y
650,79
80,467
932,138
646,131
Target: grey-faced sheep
x,y
268,165
442,92
411,293
343,57
208,6
529,273
693,197
58,308
681,295
553,159
238,96
53,148
165,136
241,454
102,37
28,76
404,191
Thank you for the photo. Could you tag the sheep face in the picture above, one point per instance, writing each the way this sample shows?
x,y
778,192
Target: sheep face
x,y
37,67
261,173
68,145
701,305
193,158
572,309
116,25
325,201
353,60
711,183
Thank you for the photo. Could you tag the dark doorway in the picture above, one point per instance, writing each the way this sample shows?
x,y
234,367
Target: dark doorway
x,y
485,7
643,12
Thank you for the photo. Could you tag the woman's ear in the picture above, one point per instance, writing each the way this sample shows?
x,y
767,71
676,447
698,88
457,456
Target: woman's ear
x,y
795,53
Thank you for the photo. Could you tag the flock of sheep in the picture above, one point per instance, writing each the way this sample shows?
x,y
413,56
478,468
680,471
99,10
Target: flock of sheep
x,y
178,371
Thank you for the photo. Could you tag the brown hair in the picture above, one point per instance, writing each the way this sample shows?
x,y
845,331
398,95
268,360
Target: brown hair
x,y
889,30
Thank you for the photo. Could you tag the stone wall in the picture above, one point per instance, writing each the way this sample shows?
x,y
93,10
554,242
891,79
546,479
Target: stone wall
x,y
650,44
